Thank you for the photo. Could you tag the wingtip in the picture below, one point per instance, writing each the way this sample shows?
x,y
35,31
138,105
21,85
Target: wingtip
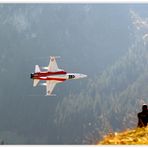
x,y
52,95
55,57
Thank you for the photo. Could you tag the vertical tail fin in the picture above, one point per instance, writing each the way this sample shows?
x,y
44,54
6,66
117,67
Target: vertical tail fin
x,y
37,68
36,81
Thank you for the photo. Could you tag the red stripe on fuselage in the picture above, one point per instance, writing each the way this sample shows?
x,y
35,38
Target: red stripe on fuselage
x,y
49,79
44,74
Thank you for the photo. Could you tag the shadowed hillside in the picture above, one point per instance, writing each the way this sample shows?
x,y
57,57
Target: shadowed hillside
x,y
114,97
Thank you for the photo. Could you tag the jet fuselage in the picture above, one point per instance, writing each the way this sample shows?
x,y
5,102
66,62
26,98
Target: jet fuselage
x,y
52,76
57,76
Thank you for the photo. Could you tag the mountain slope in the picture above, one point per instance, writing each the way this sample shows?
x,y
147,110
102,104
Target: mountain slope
x,y
114,97
130,136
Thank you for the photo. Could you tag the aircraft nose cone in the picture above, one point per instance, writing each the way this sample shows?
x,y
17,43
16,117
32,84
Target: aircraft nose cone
x,y
83,76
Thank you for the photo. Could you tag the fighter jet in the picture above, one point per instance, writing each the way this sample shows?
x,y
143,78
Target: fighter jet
x,y
52,76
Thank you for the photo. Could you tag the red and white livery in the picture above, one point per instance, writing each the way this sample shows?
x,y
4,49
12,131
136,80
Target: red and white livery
x,y
52,76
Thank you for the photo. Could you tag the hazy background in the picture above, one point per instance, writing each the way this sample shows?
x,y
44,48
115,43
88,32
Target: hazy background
x,y
108,42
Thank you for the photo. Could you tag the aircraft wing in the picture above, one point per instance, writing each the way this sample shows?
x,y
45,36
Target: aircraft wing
x,y
50,86
53,64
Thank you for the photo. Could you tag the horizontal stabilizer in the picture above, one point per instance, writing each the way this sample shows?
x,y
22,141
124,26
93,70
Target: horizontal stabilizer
x,y
35,82
37,68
